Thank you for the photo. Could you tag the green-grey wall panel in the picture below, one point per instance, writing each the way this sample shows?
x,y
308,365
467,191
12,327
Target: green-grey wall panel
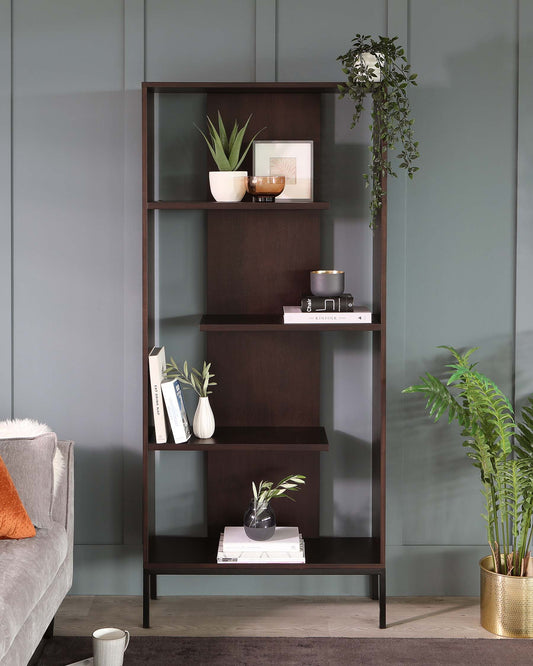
x,y
312,34
69,241
459,244
5,210
265,40
200,41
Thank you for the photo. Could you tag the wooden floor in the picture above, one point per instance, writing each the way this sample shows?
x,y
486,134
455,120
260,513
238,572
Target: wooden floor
x,y
415,617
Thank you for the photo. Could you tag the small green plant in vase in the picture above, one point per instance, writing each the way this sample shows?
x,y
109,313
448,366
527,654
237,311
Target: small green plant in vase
x,y
203,424
259,518
227,184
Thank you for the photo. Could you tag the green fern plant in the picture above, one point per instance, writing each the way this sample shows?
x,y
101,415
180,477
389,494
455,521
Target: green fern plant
x,y
226,150
499,447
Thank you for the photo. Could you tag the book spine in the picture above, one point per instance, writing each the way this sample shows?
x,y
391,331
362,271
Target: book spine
x,y
156,364
328,318
342,303
170,393
183,412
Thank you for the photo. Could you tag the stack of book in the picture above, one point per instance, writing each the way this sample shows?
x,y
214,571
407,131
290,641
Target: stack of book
x,y
286,546
326,310
167,391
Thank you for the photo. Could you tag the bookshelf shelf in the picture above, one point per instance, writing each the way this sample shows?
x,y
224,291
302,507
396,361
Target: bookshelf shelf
x,y
223,323
278,207
324,555
257,259
254,439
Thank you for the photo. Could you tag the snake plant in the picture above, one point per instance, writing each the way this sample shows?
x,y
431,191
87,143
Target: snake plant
x,y
226,151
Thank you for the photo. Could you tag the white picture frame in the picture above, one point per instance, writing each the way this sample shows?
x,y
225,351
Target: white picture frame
x,y
292,159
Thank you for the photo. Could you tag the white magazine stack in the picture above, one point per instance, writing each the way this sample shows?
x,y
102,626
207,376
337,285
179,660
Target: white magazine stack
x,y
286,546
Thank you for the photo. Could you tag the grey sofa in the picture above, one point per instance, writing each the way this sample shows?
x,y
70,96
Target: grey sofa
x,y
36,573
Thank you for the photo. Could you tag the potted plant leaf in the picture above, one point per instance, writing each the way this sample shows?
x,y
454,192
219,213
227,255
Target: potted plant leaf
x,y
260,519
502,450
227,184
379,68
203,425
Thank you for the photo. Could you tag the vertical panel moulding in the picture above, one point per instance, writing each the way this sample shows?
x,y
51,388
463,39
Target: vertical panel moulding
x,y
132,225
148,326
524,232
398,23
265,40
6,211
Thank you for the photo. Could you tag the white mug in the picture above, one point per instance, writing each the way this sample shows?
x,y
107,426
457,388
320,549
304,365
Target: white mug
x,y
109,645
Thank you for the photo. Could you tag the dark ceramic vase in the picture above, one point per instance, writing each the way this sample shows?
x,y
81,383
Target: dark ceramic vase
x,y
260,525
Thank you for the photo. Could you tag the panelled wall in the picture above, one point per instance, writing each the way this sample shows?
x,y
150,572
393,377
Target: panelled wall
x,y
460,249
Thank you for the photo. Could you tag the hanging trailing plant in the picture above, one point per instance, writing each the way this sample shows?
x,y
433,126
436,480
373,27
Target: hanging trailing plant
x,y
379,68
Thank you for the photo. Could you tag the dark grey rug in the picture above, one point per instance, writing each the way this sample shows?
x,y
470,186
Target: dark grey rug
x,y
168,651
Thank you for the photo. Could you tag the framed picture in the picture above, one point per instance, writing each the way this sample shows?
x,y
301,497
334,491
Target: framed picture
x,y
292,159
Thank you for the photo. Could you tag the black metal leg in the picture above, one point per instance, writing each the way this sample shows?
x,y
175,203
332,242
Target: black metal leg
x,y
146,600
153,586
382,601
374,587
49,633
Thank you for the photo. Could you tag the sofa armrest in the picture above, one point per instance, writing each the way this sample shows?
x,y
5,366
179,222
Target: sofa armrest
x,y
63,502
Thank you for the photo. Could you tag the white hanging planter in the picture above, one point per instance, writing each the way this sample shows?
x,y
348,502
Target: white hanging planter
x,y
228,185
203,424
367,61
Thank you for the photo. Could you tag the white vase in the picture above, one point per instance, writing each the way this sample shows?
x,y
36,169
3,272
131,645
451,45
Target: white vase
x,y
228,185
203,424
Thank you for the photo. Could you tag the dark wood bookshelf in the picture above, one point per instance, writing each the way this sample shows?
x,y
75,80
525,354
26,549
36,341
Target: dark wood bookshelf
x,y
268,410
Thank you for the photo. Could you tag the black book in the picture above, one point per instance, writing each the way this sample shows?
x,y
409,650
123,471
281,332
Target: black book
x,y
342,303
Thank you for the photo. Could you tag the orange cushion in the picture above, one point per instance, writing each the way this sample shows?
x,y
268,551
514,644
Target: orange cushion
x,y
14,521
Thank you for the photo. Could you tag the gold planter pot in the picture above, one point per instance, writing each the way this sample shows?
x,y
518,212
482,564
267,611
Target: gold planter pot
x,y
506,602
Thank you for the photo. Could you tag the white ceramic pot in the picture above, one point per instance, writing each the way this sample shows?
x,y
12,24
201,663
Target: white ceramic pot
x,y
366,60
228,185
203,424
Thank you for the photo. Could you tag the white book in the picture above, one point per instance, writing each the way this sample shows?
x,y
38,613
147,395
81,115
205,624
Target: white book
x,y
177,416
261,556
292,314
156,365
284,539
